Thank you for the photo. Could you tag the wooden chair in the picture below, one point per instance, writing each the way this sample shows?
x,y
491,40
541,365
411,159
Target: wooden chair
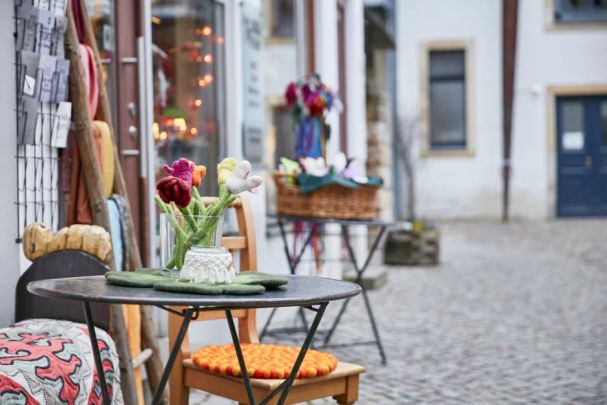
x,y
341,384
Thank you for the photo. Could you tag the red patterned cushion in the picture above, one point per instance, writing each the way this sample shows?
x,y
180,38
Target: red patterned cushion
x,y
46,361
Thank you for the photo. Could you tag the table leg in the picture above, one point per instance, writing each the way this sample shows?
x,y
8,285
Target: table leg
x,y
293,259
188,315
284,387
96,355
359,274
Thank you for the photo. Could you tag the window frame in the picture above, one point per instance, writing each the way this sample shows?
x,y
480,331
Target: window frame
x,y
425,50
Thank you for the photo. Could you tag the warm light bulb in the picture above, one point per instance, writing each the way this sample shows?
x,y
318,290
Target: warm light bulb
x,y
201,83
194,131
198,102
208,58
206,30
208,78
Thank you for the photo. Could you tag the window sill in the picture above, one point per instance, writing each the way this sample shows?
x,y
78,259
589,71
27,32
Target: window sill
x,y
447,153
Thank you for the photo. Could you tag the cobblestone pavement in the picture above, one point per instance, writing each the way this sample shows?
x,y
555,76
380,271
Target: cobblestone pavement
x,y
515,314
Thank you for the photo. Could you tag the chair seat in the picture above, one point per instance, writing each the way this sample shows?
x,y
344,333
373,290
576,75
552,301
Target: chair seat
x,y
303,389
342,370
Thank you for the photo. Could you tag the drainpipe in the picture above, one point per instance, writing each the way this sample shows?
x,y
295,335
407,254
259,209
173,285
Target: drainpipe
x,y
509,32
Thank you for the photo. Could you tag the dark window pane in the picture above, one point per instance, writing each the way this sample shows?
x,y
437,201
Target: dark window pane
x,y
444,64
447,95
448,113
580,11
282,18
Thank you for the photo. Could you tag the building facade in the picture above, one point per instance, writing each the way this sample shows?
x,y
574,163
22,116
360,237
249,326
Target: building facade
x,y
449,75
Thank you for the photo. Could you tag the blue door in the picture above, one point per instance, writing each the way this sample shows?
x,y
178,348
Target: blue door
x,y
582,156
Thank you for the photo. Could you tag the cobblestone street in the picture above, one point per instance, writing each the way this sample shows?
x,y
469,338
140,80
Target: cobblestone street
x,y
514,314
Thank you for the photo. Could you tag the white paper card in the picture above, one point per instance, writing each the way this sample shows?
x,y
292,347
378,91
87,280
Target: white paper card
x,y
29,85
573,140
61,126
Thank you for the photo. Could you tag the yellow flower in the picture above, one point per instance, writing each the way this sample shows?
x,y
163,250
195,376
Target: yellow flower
x,y
225,169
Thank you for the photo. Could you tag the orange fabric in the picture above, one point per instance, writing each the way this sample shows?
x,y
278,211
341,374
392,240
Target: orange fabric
x,y
263,361
132,318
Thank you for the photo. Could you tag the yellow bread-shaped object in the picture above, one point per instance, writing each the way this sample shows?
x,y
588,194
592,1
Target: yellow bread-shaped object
x,y
74,236
36,237
103,137
96,241
104,250
90,239
58,242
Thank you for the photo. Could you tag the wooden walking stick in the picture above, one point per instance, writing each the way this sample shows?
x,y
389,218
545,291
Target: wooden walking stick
x,y
153,365
93,181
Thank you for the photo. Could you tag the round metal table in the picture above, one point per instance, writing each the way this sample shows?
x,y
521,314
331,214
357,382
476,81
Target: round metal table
x,y
313,293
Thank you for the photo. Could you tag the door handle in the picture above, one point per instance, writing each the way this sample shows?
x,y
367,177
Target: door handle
x,y
588,162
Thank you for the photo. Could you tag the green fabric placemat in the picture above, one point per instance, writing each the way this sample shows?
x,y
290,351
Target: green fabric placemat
x,y
245,283
269,281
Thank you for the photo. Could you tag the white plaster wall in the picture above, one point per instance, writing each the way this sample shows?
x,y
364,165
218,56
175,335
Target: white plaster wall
x,y
546,57
455,186
9,250
471,187
280,67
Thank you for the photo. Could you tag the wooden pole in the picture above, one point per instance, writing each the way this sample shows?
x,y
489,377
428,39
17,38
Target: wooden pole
x,y
509,32
94,182
153,365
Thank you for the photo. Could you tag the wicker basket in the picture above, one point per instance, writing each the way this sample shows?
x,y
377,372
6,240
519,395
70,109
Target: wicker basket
x,y
331,201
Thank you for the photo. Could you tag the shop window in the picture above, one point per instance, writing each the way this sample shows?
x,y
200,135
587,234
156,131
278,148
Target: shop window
x,y
189,86
580,11
447,99
281,15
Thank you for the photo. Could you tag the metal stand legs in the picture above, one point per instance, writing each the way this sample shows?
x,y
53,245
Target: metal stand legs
x,y
96,355
359,275
283,388
188,315
294,259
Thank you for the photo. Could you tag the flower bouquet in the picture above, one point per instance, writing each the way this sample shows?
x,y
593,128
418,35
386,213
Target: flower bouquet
x,y
310,100
194,248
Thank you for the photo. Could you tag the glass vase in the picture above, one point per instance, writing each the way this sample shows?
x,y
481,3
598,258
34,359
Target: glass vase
x,y
179,233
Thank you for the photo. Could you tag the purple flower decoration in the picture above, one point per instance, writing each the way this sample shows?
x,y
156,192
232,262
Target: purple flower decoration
x,y
181,169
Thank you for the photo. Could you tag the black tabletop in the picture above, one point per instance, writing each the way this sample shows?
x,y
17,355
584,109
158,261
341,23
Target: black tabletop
x,y
316,220
301,290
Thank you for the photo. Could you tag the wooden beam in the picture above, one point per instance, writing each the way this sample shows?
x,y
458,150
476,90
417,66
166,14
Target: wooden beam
x,y
94,186
153,365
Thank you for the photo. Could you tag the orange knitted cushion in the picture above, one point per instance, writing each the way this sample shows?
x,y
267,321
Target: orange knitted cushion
x,y
263,361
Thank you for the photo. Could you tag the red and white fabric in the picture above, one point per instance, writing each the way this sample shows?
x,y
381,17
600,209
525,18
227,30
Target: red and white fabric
x,y
50,362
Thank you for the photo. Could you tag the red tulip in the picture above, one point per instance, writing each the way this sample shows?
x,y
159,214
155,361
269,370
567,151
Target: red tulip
x,y
291,93
173,189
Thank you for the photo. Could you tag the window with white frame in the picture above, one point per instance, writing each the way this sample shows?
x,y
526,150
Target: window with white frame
x,y
447,99
580,11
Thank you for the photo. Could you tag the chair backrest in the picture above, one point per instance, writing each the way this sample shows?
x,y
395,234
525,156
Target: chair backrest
x,y
244,243
63,263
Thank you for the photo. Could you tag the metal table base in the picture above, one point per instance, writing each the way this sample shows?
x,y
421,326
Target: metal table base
x,y
294,259
191,314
